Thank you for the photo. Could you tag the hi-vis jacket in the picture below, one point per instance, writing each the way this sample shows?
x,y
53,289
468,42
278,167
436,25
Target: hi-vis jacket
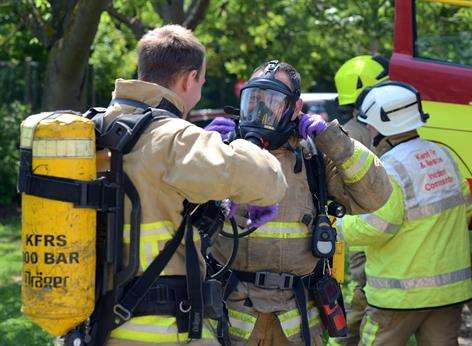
x,y
417,244
174,160
355,178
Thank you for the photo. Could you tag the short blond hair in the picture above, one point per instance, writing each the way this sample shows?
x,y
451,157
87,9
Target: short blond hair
x,y
166,52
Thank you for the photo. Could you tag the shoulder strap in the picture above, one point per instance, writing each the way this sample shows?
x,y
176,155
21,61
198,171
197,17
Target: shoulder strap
x,y
125,130
316,177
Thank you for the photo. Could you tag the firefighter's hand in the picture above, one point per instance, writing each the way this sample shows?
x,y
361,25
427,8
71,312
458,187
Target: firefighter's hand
x,y
261,215
224,126
311,125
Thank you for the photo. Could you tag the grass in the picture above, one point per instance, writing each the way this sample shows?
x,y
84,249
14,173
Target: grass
x,y
15,329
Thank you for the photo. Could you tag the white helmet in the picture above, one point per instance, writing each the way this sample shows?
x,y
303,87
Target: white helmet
x,y
391,108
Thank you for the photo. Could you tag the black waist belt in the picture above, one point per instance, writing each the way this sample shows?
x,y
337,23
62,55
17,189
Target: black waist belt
x,y
168,295
164,297
283,281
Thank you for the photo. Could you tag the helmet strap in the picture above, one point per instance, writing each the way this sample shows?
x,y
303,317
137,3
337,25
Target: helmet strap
x,y
377,139
271,68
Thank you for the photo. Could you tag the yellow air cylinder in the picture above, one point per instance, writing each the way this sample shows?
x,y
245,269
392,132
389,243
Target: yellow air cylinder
x,y
338,261
58,239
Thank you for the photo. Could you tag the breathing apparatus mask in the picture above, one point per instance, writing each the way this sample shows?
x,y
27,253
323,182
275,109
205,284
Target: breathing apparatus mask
x,y
266,110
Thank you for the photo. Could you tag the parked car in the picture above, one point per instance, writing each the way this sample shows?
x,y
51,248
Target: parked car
x,y
324,104
202,117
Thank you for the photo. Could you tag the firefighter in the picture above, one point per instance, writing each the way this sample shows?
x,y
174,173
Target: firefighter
x,y
175,160
418,258
264,305
351,79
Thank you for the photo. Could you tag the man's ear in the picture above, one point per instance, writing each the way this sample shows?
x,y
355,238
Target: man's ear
x,y
298,108
189,78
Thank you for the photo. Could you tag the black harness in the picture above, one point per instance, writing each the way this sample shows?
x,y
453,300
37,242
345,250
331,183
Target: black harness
x,y
300,285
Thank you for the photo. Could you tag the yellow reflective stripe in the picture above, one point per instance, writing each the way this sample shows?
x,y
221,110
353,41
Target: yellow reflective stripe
x,y
293,313
83,147
358,164
151,234
155,329
291,320
160,230
148,251
153,225
354,159
282,230
241,324
369,330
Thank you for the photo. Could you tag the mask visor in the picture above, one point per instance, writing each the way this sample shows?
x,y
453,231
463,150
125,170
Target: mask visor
x,y
262,107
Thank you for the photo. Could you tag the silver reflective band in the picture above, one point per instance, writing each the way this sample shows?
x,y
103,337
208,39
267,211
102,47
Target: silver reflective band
x,y
79,147
380,224
354,169
424,282
454,162
435,207
405,177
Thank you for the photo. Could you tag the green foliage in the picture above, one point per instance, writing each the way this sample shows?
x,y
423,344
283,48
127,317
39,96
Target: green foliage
x,y
16,37
11,116
315,37
113,56
15,329
22,57
442,32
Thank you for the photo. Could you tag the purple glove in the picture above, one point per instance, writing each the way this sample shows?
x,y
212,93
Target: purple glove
x,y
230,207
311,125
221,125
260,215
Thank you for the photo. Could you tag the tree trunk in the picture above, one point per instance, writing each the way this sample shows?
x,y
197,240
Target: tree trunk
x,y
67,64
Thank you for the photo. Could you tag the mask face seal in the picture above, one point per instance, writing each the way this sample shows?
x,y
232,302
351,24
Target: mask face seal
x,y
266,109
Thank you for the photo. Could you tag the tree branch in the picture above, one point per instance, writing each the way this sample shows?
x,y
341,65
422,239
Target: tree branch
x,y
41,29
133,23
68,10
195,13
171,11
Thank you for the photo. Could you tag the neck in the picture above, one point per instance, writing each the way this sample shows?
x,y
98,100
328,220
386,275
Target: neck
x,y
389,142
175,98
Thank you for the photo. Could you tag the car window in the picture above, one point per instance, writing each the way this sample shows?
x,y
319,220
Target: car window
x,y
444,30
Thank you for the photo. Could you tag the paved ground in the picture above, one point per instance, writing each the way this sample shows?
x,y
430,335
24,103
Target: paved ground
x,y
465,338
